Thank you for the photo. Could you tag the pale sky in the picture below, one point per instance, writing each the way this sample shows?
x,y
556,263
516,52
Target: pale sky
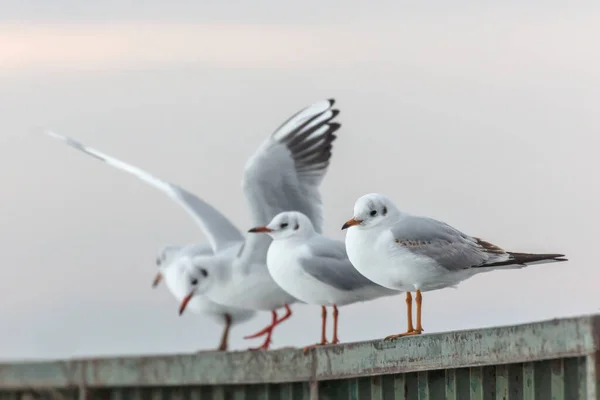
x,y
484,117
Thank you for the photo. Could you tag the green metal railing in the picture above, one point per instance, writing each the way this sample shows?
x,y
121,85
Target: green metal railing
x,y
557,359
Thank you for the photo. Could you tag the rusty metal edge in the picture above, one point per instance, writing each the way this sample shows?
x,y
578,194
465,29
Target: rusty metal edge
x,y
557,338
537,341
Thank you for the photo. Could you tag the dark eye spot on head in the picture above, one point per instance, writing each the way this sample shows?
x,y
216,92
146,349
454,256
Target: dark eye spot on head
x,y
194,281
384,210
296,227
204,272
373,213
284,225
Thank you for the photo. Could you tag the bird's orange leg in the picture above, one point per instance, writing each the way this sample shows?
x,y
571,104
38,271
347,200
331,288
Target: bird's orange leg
x,y
419,301
323,331
225,337
288,313
335,339
411,330
323,325
268,331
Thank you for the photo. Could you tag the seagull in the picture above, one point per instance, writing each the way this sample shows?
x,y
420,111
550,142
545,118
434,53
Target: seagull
x,y
314,268
173,260
309,134
413,253
284,174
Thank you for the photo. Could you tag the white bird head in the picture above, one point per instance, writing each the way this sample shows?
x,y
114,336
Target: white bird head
x,y
197,276
287,224
163,259
371,210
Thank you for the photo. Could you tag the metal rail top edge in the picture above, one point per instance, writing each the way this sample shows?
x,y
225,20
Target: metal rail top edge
x,y
536,341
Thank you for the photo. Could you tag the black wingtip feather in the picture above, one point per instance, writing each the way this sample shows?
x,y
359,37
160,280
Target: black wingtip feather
x,y
303,149
334,127
525,258
311,153
331,103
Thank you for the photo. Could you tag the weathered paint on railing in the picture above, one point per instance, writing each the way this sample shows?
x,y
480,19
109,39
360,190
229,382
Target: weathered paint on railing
x,y
557,359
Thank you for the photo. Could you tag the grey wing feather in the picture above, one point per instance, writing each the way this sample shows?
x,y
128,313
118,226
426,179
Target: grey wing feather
x,y
284,174
329,264
439,241
219,230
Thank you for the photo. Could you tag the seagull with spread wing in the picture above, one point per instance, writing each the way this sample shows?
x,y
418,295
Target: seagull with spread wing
x,y
284,173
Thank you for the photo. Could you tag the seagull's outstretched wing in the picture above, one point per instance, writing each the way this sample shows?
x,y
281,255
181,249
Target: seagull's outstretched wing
x,y
285,172
220,232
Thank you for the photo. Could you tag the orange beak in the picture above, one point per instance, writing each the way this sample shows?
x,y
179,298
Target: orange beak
x,y
260,229
157,280
351,222
185,302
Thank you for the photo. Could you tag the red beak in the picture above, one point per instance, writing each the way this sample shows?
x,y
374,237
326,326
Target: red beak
x,y
185,302
351,222
157,280
260,229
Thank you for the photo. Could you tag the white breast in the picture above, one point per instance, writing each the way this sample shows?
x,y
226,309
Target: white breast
x,y
255,290
371,253
173,278
282,261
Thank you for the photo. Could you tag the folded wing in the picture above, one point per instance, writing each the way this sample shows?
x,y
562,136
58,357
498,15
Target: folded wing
x,y
454,250
326,261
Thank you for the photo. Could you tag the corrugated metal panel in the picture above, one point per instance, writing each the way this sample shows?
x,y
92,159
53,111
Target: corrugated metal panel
x,y
550,360
542,380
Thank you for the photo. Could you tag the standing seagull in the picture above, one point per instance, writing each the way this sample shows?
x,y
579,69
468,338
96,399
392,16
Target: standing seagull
x,y
314,268
304,131
172,262
406,252
284,174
